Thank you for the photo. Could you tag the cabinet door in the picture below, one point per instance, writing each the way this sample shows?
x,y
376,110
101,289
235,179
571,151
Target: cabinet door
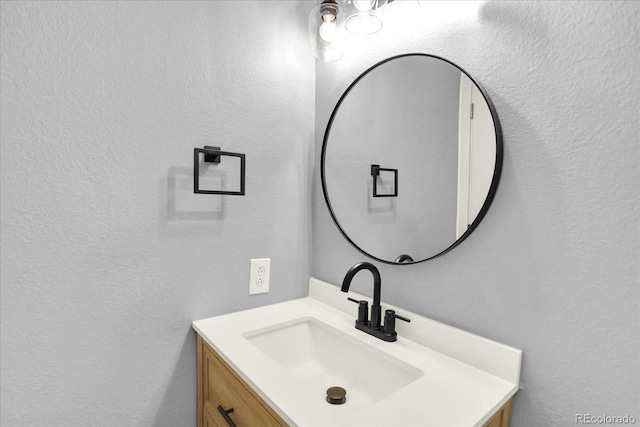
x,y
219,385
209,419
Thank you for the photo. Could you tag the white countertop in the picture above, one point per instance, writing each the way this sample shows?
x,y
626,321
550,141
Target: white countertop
x,y
462,391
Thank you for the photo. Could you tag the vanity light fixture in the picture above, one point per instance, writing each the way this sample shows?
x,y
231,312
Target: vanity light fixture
x,y
363,17
325,25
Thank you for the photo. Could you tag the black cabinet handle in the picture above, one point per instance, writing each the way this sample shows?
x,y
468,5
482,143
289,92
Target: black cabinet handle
x,y
225,415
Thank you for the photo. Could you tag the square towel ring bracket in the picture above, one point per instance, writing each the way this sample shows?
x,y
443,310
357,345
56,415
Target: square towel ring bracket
x,y
214,155
375,172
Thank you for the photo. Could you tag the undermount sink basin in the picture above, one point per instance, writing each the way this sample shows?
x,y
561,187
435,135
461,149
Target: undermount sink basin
x,y
321,356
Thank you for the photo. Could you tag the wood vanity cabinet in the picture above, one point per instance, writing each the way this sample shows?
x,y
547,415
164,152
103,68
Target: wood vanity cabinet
x,y
225,399
221,390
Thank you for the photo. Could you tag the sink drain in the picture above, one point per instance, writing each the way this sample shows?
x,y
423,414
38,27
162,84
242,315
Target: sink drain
x,y
336,395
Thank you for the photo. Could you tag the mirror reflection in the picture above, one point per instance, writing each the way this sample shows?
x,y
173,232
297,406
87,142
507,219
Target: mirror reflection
x,y
411,158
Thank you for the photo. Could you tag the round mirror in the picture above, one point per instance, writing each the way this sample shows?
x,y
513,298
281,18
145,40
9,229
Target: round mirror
x,y
411,158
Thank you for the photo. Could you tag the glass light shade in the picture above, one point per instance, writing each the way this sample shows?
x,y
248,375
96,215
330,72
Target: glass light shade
x,y
363,5
363,17
324,33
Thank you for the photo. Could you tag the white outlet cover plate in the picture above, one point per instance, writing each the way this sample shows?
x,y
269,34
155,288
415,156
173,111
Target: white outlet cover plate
x,y
259,280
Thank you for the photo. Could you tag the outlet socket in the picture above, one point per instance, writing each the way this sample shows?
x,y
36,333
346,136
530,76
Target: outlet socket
x,y
259,276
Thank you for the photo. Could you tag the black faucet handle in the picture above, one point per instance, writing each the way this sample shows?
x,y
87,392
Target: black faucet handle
x,y
390,317
363,310
397,316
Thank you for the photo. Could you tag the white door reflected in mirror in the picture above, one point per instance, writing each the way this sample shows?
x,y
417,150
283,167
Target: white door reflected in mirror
x,y
476,153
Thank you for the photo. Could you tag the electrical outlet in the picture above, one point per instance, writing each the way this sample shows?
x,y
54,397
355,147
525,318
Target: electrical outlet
x,y
259,276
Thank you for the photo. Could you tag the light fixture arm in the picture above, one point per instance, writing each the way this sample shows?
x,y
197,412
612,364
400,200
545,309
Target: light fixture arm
x,y
329,7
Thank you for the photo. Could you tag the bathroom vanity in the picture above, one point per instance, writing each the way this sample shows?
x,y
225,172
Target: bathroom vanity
x,y
272,366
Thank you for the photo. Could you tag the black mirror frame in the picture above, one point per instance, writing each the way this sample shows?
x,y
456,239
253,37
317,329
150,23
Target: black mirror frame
x,y
494,181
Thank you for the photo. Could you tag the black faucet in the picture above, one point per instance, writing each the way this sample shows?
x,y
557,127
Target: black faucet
x,y
373,327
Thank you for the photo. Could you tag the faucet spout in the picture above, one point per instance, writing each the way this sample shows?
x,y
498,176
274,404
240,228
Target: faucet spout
x,y
386,332
377,284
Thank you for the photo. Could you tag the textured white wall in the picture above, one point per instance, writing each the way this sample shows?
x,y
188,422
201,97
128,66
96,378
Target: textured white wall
x,y
554,267
107,256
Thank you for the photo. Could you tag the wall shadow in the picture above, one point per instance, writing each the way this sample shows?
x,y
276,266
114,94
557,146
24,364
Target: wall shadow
x,y
183,210
180,396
